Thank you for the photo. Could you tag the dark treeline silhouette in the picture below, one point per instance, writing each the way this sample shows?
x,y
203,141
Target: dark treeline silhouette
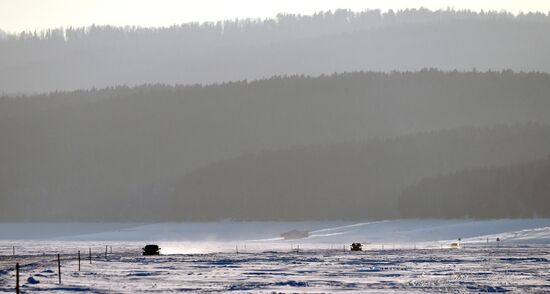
x,y
505,192
99,56
124,153
364,180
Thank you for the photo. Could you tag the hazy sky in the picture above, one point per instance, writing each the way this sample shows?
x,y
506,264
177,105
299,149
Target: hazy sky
x,y
18,15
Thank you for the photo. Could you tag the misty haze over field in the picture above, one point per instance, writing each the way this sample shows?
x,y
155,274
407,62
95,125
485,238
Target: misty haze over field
x,y
334,116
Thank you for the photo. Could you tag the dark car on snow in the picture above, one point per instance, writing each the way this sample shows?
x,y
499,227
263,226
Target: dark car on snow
x,y
356,247
151,250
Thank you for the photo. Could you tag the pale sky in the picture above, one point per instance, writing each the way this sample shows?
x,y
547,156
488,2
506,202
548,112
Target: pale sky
x,y
18,15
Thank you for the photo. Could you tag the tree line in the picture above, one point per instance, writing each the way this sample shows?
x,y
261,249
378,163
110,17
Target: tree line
x,y
138,153
376,179
326,42
512,191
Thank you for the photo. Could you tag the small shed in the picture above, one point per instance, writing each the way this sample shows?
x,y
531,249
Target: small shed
x,y
295,234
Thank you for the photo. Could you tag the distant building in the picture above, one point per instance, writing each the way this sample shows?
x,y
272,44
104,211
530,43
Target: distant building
x,y
295,234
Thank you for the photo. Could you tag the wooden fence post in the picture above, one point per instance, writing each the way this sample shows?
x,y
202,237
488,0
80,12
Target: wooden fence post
x,y
13,250
59,267
105,251
78,260
90,255
17,278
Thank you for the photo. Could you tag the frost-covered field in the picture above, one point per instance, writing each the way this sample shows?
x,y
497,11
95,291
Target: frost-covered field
x,y
401,256
406,270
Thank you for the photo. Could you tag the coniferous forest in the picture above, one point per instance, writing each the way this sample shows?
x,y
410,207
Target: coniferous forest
x,y
322,43
336,115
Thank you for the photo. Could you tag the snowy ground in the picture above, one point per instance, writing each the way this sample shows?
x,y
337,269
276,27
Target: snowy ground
x,y
401,256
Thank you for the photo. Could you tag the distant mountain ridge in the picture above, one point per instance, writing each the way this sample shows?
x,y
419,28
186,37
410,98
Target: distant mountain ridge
x,y
323,43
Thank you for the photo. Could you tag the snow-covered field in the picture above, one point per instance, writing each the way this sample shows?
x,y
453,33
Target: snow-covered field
x,y
401,256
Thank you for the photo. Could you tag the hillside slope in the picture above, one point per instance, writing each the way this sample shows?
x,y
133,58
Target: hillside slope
x,y
358,180
500,192
118,152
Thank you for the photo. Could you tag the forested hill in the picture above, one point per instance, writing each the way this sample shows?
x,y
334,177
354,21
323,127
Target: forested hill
x,y
505,192
117,153
356,180
99,56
